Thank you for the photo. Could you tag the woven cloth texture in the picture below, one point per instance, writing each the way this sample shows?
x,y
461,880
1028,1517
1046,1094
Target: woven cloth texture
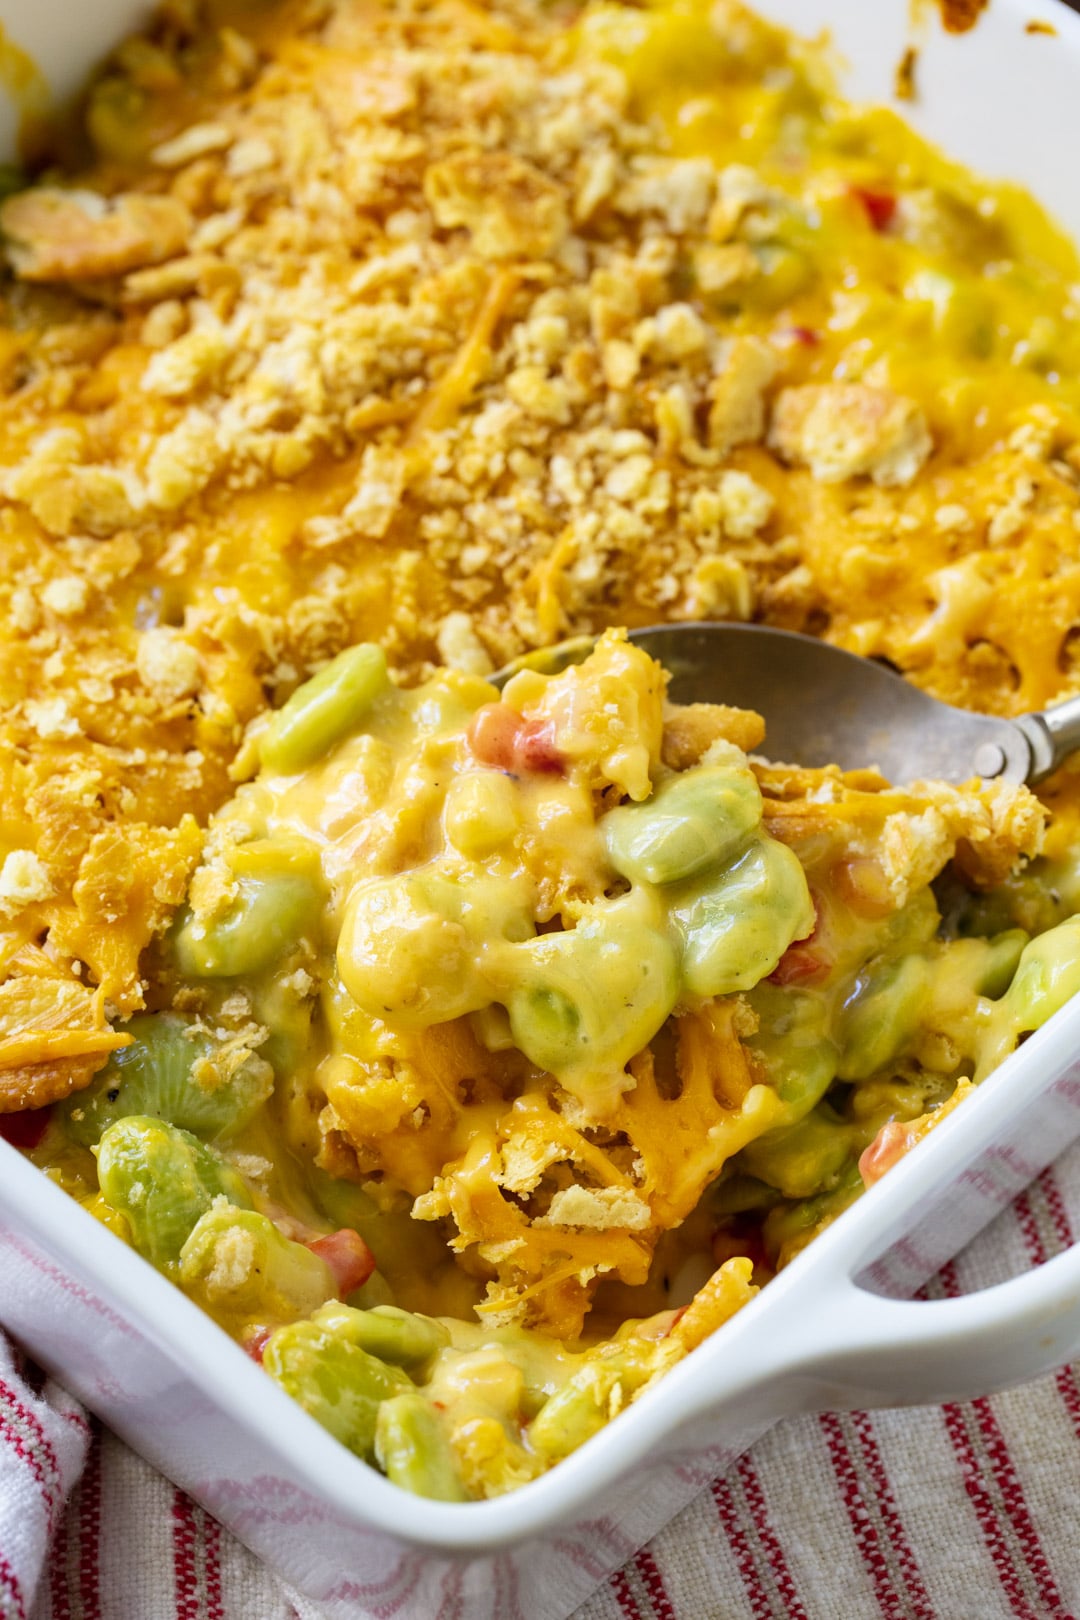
x,y
964,1512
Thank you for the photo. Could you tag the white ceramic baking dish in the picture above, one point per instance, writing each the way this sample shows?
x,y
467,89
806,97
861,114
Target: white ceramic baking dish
x,y
833,1331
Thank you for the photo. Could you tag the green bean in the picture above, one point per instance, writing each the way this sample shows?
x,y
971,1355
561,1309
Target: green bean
x,y
697,819
882,1016
336,1382
162,1180
736,925
237,1262
412,1449
402,1338
584,1002
325,709
158,1076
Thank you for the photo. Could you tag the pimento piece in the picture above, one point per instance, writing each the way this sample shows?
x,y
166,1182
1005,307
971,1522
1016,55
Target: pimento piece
x,y
800,964
880,206
807,961
27,1130
888,1148
501,737
348,1257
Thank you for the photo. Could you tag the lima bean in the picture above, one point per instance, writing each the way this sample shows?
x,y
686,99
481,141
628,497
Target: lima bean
x,y
271,913
565,1421
1001,961
697,819
336,1382
413,1451
594,1394
154,1077
162,1180
790,1225
804,1159
237,1262
1048,975
402,1338
882,1016
794,1042
584,1002
325,709
736,925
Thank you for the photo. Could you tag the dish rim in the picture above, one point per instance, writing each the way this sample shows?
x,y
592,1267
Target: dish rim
x,y
221,1370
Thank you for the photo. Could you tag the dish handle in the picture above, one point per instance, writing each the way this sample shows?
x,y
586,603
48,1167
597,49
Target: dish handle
x,y
837,1346
855,1348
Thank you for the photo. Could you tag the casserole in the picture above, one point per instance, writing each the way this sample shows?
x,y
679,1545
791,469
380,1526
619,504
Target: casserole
x,y
787,1288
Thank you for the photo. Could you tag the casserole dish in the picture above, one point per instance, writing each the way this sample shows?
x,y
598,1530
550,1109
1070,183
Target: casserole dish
x,y
262,1489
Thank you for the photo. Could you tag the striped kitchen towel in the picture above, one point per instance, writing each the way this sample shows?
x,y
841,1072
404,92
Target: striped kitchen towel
x,y
964,1512
44,1437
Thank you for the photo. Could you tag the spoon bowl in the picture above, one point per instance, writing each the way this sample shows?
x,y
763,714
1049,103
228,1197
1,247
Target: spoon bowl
x,y
824,706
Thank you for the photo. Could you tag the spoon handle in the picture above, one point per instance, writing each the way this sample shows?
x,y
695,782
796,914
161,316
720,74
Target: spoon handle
x,y
1054,735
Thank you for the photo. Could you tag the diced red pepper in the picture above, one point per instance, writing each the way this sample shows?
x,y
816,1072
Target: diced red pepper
x,y
800,964
501,737
804,335
348,1257
888,1148
536,748
493,735
25,1130
808,960
880,206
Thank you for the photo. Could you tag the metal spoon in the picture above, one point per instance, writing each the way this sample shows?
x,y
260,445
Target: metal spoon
x,y
824,706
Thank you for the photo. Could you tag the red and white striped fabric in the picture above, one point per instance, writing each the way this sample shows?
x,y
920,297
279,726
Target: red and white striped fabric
x,y
965,1512
44,1437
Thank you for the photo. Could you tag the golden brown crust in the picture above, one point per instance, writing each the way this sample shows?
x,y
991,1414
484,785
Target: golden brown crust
x,y
55,235
691,728
35,1085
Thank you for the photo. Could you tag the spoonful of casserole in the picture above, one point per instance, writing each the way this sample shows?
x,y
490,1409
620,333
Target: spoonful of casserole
x,y
824,706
